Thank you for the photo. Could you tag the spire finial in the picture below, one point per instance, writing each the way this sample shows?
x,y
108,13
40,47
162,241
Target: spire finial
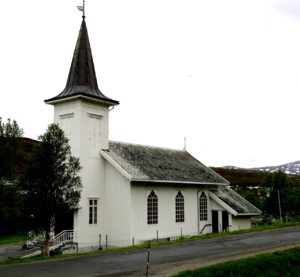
x,y
82,9
184,144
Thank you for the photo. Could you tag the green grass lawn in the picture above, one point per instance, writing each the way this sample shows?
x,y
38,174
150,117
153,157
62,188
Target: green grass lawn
x,y
18,237
278,264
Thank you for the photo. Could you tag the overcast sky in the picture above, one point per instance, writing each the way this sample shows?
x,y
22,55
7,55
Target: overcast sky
x,y
225,74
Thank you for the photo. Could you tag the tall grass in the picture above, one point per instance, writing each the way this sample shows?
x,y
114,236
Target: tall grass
x,y
278,264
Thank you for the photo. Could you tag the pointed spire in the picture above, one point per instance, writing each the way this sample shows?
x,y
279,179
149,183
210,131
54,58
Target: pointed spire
x,y
82,80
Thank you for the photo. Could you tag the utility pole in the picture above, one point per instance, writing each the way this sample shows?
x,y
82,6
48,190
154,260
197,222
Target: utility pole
x,y
279,206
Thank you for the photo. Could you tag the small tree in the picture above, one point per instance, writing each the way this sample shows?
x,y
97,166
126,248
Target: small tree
x,y
10,145
51,180
276,183
10,154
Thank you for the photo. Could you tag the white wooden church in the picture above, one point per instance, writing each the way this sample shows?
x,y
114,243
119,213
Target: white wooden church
x,y
135,192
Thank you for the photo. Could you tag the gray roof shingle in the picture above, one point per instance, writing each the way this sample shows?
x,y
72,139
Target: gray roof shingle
x,y
155,164
147,163
235,201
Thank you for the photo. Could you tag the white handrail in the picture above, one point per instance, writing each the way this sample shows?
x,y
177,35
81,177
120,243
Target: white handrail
x,y
62,237
32,237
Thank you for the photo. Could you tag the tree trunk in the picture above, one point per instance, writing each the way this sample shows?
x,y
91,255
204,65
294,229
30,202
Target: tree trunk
x,y
49,233
47,243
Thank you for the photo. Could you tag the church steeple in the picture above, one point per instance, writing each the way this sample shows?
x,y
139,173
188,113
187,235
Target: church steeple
x,y
82,80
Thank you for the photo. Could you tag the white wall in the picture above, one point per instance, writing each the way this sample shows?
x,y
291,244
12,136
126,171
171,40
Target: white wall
x,y
117,207
86,125
239,223
167,226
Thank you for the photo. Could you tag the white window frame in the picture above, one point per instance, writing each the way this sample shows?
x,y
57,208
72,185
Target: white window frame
x,y
93,204
179,207
152,208
203,207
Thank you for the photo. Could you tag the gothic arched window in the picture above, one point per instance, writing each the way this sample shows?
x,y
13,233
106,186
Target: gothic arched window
x,y
203,207
179,207
152,206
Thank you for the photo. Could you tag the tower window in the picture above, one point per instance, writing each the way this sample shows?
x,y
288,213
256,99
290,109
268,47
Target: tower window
x,y
152,207
179,207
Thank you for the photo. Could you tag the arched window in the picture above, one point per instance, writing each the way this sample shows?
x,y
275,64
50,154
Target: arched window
x,y
179,207
203,207
152,208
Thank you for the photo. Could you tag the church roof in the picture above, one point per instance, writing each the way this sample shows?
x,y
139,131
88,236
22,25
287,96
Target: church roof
x,y
82,80
155,164
142,164
235,201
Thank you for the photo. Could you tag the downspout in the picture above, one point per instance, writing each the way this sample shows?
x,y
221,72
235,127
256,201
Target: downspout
x,y
198,215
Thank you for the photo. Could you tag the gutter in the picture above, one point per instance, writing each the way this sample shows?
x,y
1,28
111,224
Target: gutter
x,y
198,212
175,182
247,214
81,96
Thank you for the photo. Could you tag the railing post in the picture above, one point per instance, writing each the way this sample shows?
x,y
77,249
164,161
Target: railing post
x,y
100,247
148,259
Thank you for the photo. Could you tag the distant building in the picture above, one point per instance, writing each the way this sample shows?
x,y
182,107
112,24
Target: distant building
x,y
135,192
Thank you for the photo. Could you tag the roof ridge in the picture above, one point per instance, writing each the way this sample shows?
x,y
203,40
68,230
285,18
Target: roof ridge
x,y
149,146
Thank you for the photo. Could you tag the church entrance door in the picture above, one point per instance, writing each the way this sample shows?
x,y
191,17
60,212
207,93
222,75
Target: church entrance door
x,y
225,221
215,221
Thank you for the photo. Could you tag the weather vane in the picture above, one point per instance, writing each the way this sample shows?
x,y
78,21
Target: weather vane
x,y
82,9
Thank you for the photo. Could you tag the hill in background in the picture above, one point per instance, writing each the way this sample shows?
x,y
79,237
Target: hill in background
x,y
253,177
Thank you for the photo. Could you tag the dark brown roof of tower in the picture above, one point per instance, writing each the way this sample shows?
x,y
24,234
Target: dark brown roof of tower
x,y
82,80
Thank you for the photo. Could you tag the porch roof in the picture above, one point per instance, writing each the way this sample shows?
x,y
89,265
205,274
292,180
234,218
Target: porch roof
x,y
235,201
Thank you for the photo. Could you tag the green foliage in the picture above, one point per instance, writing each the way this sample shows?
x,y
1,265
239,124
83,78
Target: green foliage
x,y
11,209
278,264
275,182
51,179
260,189
10,154
10,145
7,239
251,196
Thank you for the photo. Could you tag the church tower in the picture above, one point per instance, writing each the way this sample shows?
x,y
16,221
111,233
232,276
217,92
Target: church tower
x,y
82,111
